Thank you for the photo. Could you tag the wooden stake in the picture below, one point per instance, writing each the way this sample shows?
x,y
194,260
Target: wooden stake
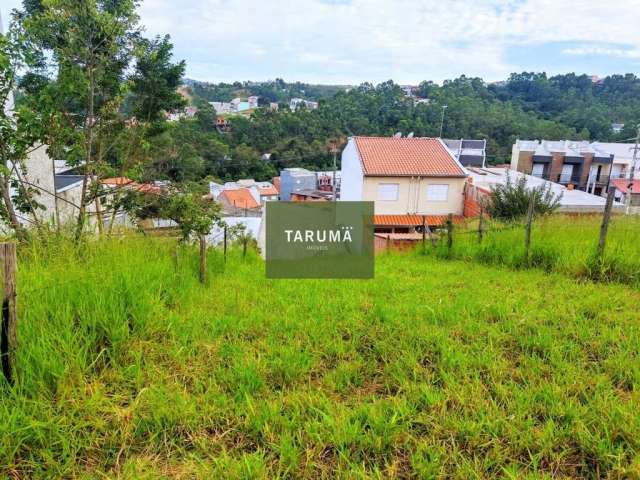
x,y
8,337
527,232
203,259
481,224
244,246
424,233
225,244
604,227
449,232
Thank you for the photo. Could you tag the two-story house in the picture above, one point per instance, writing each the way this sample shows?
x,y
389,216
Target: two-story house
x,y
576,164
408,179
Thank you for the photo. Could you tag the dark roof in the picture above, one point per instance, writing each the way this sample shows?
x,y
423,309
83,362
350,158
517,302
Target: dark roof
x,y
64,181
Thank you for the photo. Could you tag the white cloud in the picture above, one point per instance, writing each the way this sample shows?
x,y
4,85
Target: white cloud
x,y
350,41
588,50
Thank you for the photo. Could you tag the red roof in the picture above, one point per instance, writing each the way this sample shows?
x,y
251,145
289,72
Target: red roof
x,y
406,156
623,184
240,197
411,220
264,191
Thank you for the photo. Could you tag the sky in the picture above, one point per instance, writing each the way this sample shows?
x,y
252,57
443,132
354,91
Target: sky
x,y
353,41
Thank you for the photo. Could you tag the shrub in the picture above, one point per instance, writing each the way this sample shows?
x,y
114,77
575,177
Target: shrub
x,y
511,201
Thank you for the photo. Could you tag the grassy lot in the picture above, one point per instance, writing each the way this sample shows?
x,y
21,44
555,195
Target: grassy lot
x,y
561,243
129,368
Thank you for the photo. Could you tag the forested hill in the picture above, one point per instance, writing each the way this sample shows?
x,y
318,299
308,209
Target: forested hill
x,y
527,105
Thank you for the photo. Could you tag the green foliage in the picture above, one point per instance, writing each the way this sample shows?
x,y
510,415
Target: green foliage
x,y
510,201
156,79
128,367
188,206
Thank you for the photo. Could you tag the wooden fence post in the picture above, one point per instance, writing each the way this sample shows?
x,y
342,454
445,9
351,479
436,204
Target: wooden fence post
x,y
604,227
388,243
225,244
203,259
449,232
527,232
8,338
424,233
481,224
244,245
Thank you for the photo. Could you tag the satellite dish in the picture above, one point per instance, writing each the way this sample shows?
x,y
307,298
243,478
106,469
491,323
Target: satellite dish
x,y
410,135
398,135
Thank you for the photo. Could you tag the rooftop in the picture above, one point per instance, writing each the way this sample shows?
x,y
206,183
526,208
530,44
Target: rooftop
x,y
407,156
240,197
571,201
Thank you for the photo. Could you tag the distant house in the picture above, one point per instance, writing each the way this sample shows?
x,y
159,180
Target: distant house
x,y
468,152
626,188
240,201
617,127
408,179
297,180
585,166
301,102
580,164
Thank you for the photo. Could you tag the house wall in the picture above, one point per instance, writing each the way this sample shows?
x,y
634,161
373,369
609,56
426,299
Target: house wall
x,y
412,195
352,179
40,172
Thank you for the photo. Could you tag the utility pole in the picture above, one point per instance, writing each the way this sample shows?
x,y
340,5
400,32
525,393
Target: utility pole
x,y
632,172
334,186
444,107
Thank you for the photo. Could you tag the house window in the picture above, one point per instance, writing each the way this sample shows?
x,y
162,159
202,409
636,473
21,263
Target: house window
x,y
388,191
437,193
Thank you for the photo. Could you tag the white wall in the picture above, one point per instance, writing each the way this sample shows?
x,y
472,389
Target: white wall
x,y
352,180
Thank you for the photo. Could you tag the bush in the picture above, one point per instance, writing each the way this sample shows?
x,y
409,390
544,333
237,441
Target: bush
x,y
511,201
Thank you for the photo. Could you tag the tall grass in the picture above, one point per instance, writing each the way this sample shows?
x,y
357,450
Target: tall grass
x,y
560,243
129,368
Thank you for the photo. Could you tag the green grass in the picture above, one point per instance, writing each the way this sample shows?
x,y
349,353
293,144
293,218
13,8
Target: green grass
x,y
128,368
559,243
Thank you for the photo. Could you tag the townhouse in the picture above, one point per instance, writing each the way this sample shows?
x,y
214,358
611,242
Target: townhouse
x,y
410,180
576,164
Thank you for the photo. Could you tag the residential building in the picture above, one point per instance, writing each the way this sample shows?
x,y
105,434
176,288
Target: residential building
x,y
622,158
296,180
626,188
301,102
583,165
261,191
617,127
240,202
468,152
408,179
253,101
483,180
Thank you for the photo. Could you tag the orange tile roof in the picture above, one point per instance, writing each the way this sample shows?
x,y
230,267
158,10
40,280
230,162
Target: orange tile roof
x,y
623,184
240,197
406,156
276,183
411,220
268,190
117,181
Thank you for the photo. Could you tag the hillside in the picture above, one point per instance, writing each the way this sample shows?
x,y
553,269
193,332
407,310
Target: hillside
x,y
129,367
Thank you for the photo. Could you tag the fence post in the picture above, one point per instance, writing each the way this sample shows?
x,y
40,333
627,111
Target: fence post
x,y
481,224
424,233
604,227
527,232
388,242
8,338
203,259
244,246
449,232
225,244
